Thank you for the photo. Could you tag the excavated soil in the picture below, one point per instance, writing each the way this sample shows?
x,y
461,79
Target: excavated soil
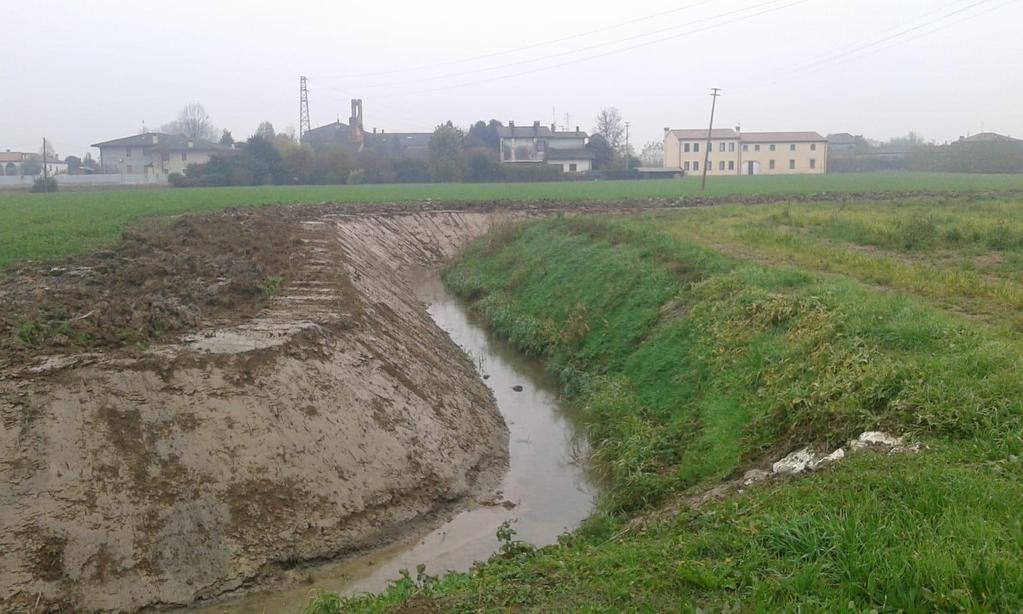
x,y
226,396
234,434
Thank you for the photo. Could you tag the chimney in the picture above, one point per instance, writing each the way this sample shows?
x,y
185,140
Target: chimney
x,y
536,125
511,124
554,127
667,130
374,130
577,129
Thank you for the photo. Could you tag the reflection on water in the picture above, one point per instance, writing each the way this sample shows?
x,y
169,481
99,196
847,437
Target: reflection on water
x,y
550,487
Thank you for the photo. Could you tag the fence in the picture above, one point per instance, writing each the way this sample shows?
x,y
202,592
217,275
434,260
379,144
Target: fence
x,y
111,180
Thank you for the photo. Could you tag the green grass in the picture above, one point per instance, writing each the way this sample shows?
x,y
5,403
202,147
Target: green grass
x,y
699,343
45,226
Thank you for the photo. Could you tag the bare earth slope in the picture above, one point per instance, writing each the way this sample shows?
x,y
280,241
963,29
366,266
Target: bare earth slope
x,y
332,420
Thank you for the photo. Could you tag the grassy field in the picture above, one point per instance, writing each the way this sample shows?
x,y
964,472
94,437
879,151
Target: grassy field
x,y
43,226
702,342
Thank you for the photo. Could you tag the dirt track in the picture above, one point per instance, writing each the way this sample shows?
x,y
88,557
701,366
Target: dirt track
x,y
336,418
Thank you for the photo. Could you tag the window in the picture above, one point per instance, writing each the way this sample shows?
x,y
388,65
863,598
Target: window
x,y
696,147
792,147
184,156
721,165
770,165
813,146
722,147
696,166
772,146
792,165
731,147
731,165
165,157
756,148
687,147
687,166
745,147
813,162
130,169
127,152
573,168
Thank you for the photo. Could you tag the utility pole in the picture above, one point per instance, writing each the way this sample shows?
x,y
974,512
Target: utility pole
x,y
304,125
628,158
46,173
715,92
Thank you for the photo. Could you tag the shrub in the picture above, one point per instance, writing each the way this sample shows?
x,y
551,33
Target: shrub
x,y
49,184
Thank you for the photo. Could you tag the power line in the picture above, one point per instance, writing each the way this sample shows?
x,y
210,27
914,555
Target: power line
x,y
580,49
840,56
546,43
896,43
599,55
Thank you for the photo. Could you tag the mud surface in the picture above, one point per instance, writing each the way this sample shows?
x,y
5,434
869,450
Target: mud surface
x,y
331,420
546,491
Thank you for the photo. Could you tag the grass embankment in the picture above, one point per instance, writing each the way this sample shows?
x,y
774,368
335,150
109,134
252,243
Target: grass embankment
x,y
45,226
697,351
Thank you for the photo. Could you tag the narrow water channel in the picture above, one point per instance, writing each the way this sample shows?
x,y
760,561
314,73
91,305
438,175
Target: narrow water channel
x,y
548,486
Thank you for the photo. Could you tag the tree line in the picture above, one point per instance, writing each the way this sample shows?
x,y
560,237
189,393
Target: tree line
x,y
453,155
914,153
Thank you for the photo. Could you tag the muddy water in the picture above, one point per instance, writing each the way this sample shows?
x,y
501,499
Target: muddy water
x,y
546,491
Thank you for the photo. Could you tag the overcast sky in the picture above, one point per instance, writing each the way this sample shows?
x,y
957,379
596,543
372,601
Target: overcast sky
x,y
82,72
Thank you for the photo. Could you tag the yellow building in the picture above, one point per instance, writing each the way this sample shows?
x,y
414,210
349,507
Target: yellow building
x,y
746,153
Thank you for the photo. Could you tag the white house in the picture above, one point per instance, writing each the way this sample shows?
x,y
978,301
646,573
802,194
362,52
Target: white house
x,y
155,155
538,144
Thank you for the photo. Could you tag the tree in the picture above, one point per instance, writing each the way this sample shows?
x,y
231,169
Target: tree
x,y
193,122
226,138
481,165
603,155
611,127
652,154
49,152
484,134
445,152
263,162
88,162
265,131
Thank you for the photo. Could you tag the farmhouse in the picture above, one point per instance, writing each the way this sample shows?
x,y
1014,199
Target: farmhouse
x,y
352,136
154,154
733,152
12,164
538,144
990,137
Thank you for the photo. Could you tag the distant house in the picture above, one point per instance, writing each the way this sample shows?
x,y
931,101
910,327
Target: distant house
x,y
746,153
155,155
844,143
538,144
990,137
353,137
10,163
